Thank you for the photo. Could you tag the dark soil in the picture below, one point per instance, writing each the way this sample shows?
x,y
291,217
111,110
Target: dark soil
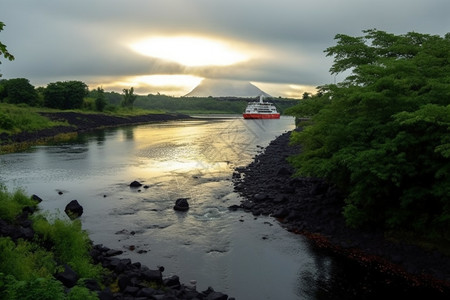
x,y
311,207
79,122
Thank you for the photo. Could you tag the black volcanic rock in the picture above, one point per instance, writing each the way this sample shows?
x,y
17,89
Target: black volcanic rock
x,y
135,184
74,209
181,204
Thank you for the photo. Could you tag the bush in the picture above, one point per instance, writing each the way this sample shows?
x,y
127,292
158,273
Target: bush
x,y
39,288
81,293
25,260
70,243
11,205
6,122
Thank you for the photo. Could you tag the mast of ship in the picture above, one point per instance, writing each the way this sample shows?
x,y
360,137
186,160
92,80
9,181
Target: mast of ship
x,y
261,98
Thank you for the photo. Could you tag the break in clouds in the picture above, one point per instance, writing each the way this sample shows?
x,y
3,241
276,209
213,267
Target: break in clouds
x,y
284,40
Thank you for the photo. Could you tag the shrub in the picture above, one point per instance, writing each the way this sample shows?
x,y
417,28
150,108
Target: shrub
x,y
39,288
25,260
6,123
70,243
81,293
11,205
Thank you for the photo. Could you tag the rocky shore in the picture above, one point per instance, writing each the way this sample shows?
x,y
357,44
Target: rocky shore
x,y
311,207
126,279
81,122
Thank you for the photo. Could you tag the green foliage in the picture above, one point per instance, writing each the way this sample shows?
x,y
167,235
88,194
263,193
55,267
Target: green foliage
x,y
88,104
100,100
70,243
38,288
310,106
16,118
6,122
81,293
19,90
65,95
11,205
25,260
198,105
27,267
3,50
383,135
128,98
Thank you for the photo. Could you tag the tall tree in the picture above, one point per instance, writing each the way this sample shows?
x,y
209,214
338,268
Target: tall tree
x,y
129,97
384,136
3,50
100,99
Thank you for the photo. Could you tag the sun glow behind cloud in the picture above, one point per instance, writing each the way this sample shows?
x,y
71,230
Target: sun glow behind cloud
x,y
172,85
191,51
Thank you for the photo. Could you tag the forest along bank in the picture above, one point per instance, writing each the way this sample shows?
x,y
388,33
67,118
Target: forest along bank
x,y
81,122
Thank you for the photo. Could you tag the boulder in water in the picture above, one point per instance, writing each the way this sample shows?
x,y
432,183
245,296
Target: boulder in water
x,y
181,204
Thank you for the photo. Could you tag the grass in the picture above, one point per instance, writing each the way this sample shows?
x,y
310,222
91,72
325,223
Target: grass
x,y
11,205
70,244
27,267
18,118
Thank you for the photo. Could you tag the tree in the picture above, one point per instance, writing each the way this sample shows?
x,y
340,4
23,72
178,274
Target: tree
x,y
100,99
65,95
3,50
384,137
306,95
128,97
19,90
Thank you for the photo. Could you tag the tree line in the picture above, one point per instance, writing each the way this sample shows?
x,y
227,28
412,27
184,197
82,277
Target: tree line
x,y
383,134
72,94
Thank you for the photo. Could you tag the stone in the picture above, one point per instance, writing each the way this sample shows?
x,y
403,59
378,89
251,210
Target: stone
x,y
145,292
260,197
283,171
152,275
280,213
74,209
135,184
106,294
112,252
181,204
172,282
36,198
234,207
69,278
92,284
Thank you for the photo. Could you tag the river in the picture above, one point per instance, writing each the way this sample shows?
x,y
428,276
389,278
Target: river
x,y
234,252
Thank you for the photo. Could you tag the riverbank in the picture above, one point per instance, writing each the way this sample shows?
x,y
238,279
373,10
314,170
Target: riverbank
x,y
33,241
310,207
81,122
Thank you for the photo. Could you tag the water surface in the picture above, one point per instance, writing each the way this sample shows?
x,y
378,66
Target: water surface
x,y
234,252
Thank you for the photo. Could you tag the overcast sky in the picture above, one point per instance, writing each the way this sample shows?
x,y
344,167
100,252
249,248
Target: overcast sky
x,y
151,44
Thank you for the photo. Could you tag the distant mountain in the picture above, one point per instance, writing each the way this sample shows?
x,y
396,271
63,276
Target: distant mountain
x,y
225,88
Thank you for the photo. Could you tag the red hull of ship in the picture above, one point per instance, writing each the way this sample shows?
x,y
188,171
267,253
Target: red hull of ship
x,y
261,116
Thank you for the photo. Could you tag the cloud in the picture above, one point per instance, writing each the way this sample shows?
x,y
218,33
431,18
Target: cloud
x,y
89,40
